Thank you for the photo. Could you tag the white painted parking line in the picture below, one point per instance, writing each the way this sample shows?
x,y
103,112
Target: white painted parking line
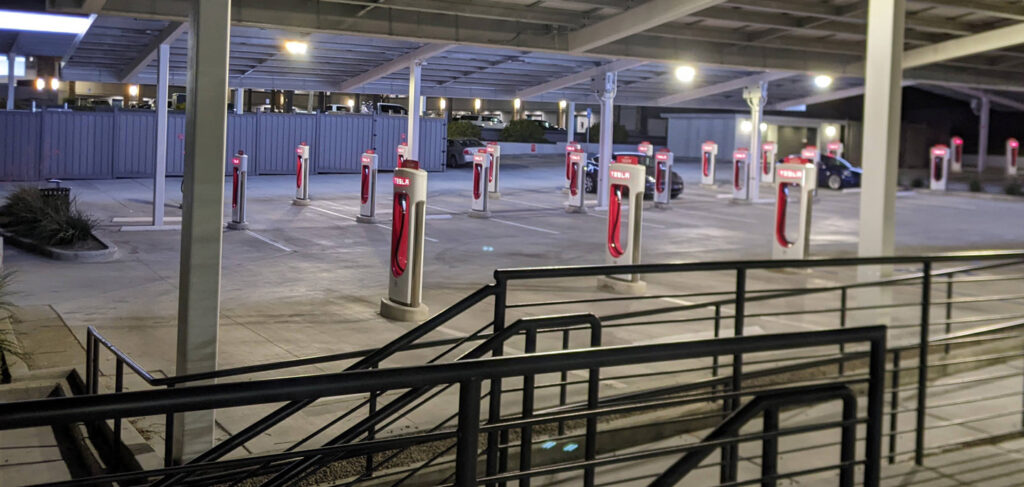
x,y
143,219
377,224
438,217
527,203
443,209
544,230
269,241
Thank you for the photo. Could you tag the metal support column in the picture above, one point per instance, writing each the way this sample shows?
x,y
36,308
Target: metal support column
x,y
239,100
11,80
883,78
984,108
608,89
570,121
160,171
756,96
413,134
203,210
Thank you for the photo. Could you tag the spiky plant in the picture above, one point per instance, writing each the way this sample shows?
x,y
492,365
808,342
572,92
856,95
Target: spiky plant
x,y
49,221
7,343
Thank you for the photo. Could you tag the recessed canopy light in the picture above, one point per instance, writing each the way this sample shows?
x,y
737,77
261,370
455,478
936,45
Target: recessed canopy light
x,y
686,73
40,22
830,131
517,103
40,84
296,47
54,84
746,126
563,104
822,81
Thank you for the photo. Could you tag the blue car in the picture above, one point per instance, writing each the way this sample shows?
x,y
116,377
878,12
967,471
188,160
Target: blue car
x,y
590,183
837,173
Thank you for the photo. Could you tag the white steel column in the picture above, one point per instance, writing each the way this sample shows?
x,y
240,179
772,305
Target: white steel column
x,y
570,121
240,100
984,108
605,147
883,76
756,96
11,80
160,171
415,107
203,211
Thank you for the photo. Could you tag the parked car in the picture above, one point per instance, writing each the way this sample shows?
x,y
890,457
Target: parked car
x,y
546,125
392,109
460,151
835,172
485,121
337,108
593,165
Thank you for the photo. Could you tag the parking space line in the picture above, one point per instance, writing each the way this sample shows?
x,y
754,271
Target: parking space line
x,y
525,226
388,227
269,241
530,204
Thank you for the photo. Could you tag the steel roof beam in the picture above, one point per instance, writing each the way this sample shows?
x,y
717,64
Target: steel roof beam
x,y
148,54
577,78
633,21
990,40
717,88
397,64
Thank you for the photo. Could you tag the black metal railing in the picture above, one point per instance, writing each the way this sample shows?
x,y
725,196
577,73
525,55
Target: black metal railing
x,y
740,297
473,427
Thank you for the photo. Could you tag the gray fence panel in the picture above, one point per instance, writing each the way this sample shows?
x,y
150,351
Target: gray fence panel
x,y
176,144
433,143
134,144
278,136
340,141
241,135
19,151
388,132
77,145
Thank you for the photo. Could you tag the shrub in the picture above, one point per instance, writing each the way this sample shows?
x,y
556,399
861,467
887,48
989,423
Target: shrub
x,y
45,220
462,129
7,344
975,185
522,131
1013,188
917,183
619,133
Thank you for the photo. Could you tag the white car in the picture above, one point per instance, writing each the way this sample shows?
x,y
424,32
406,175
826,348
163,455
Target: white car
x,y
485,121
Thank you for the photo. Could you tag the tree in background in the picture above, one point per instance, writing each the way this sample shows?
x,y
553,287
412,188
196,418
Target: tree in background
x,y
462,129
523,131
619,133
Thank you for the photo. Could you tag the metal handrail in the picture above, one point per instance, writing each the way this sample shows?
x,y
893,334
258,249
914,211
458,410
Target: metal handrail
x,y
469,374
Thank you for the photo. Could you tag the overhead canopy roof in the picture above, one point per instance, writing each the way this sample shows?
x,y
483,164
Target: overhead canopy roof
x,y
508,48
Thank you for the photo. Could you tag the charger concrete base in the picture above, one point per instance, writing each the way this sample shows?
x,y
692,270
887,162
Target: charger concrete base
x,y
618,286
575,209
662,206
238,226
400,312
494,196
479,214
298,202
365,219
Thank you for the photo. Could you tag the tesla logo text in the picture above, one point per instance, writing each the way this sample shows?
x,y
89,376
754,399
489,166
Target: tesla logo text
x,y
620,175
939,152
401,181
366,160
235,161
576,157
298,151
809,153
661,156
739,155
708,147
791,173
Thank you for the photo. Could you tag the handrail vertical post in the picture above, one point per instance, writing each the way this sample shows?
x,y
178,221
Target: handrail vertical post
x,y
718,334
894,401
563,389
373,427
468,433
949,307
730,453
169,437
526,432
593,398
770,448
922,364
876,395
842,324
497,458
848,448
118,387
88,360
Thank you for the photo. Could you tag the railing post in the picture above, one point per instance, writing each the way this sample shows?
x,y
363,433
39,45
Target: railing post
x,y
873,429
842,324
848,447
894,397
949,307
88,361
118,387
922,362
169,439
526,432
373,427
770,448
730,453
563,390
468,433
497,458
718,334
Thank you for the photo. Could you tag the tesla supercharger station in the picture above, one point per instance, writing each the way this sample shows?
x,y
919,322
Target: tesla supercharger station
x,y
569,149
577,174
956,154
627,180
768,152
811,153
239,171
1012,147
481,174
787,175
645,148
739,173
403,153
663,178
938,162
367,187
708,153
835,148
405,272
301,175
494,169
